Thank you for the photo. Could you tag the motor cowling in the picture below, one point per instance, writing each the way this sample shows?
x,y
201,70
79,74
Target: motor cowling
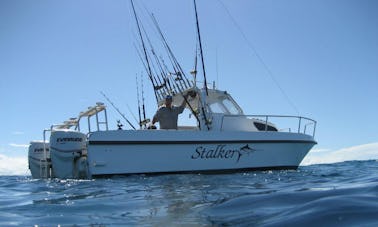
x,y
39,159
68,150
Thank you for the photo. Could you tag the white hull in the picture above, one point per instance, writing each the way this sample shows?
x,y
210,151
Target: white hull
x,y
162,151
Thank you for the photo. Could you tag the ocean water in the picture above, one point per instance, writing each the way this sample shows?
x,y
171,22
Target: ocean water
x,y
340,194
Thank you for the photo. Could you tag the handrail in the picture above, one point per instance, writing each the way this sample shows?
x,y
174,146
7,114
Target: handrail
x,y
301,121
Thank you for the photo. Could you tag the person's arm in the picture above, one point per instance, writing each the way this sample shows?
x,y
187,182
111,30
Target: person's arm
x,y
183,104
181,108
155,118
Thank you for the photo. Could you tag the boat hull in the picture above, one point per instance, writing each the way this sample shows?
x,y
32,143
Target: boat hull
x,y
164,151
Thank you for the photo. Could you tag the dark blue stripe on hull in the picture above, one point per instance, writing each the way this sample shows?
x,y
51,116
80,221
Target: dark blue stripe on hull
x,y
96,142
217,171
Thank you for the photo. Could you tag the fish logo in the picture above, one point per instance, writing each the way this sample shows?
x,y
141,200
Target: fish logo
x,y
245,150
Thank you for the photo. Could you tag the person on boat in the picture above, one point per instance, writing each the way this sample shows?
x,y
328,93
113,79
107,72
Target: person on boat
x,y
167,114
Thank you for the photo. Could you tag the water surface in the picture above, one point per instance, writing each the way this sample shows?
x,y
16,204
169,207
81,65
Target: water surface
x,y
340,194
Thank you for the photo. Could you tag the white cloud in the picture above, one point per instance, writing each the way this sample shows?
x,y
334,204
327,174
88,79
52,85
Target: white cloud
x,y
361,152
19,145
13,165
320,150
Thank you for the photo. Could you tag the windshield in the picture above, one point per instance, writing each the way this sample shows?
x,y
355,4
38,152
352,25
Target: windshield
x,y
232,109
225,106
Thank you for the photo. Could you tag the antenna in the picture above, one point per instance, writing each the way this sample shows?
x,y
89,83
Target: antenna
x,y
216,65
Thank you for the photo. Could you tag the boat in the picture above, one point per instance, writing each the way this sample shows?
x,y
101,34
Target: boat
x,y
224,138
233,142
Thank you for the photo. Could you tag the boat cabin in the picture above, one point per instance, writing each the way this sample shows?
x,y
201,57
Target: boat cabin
x,y
220,113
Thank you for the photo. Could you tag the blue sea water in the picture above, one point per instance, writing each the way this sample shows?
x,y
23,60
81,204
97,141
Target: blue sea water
x,y
340,194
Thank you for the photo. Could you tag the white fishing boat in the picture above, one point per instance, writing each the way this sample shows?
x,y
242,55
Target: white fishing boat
x,y
233,142
224,138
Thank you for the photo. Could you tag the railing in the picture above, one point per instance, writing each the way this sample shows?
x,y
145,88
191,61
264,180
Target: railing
x,y
91,111
301,124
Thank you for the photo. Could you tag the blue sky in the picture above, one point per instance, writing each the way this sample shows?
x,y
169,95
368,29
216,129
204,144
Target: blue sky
x,y
56,57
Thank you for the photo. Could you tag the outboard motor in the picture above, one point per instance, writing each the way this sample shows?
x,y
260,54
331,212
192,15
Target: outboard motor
x,y
68,154
39,159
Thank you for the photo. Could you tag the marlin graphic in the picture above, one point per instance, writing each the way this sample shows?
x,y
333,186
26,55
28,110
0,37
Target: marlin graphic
x,y
245,150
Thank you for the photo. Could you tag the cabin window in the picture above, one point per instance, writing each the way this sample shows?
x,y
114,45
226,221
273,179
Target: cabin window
x,y
261,127
217,107
224,106
232,109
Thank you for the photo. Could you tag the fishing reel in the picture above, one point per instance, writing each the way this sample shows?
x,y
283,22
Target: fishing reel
x,y
151,127
119,125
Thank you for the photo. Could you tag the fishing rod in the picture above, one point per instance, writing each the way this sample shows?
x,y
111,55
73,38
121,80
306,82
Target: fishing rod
x,y
118,110
153,79
168,49
168,83
165,76
144,47
175,86
178,81
162,85
194,71
200,45
158,84
203,69
162,73
177,72
168,77
131,112
145,120
140,117
180,73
